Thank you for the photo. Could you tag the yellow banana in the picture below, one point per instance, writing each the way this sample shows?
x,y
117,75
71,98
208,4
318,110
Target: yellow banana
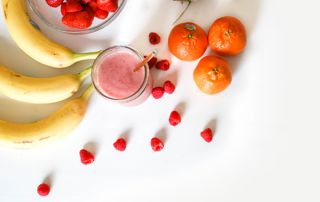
x,y
52,128
40,90
33,42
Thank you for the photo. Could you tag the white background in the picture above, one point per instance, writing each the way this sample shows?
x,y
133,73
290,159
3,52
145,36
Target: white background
x,y
267,140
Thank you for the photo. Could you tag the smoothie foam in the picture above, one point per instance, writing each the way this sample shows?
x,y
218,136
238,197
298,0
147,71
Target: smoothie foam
x,y
116,76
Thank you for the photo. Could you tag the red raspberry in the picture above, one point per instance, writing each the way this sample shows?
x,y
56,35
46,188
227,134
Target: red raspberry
x,y
63,9
157,92
174,118
108,5
85,1
163,65
90,11
207,135
86,157
120,144
80,20
43,189
154,38
93,5
101,14
169,87
156,144
54,3
73,6
152,62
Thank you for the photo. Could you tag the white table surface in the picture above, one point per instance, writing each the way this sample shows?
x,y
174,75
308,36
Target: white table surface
x,y
267,140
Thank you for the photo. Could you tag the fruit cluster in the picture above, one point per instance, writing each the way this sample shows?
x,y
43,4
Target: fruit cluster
x,y
167,87
227,37
158,92
81,13
157,144
187,41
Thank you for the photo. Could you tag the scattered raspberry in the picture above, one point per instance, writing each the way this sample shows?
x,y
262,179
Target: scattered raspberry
x,y
157,92
86,157
120,144
152,62
101,14
54,3
169,87
163,65
174,118
154,38
206,134
63,9
43,189
156,144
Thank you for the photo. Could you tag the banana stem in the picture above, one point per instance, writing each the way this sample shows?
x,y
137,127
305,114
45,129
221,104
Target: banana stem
x,y
85,73
88,92
86,56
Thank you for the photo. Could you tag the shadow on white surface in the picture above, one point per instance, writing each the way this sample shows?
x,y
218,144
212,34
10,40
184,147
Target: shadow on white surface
x,y
49,179
162,134
181,108
213,123
92,146
19,112
127,135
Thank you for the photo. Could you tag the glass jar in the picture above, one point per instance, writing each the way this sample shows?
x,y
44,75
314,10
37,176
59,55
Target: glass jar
x,y
113,76
52,17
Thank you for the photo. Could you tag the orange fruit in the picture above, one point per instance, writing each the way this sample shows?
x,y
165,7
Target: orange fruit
x,y
187,41
212,74
227,36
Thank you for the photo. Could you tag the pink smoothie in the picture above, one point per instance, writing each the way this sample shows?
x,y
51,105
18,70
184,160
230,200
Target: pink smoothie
x,y
117,80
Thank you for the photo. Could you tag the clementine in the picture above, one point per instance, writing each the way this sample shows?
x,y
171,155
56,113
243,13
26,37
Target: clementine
x,y
187,41
212,75
227,36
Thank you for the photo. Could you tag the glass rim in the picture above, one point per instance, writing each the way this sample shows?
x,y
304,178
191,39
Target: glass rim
x,y
138,92
79,31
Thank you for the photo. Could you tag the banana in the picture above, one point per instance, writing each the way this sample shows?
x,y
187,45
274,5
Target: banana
x,y
47,130
40,90
33,42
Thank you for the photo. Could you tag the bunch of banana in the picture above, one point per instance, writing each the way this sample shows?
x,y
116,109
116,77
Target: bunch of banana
x,y
52,128
33,42
40,90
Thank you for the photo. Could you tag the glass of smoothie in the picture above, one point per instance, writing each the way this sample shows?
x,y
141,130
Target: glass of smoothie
x,y
114,77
